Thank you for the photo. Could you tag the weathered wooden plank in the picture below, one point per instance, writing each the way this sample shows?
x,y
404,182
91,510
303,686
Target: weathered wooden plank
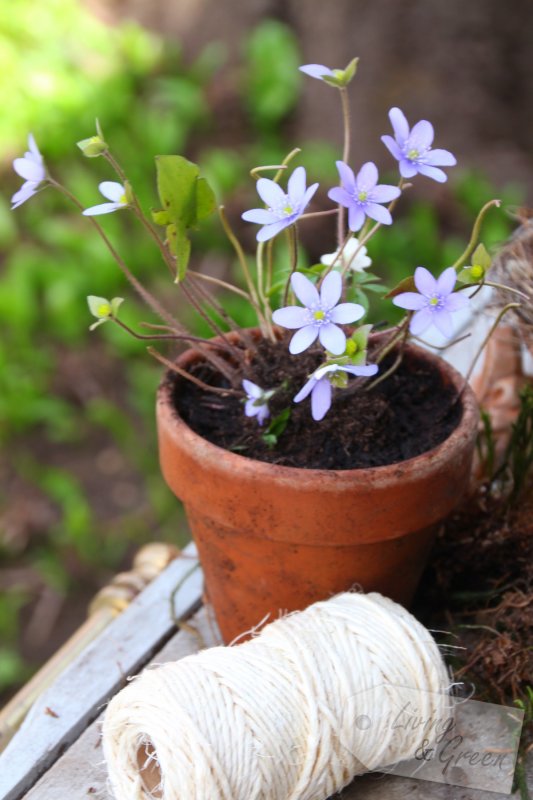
x,y
80,773
77,696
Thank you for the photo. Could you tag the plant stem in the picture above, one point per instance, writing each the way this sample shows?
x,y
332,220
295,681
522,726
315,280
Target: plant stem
x,y
485,341
167,336
264,323
184,374
222,284
474,237
148,298
345,103
329,212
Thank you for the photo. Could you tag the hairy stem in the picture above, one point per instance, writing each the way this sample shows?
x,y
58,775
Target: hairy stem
x,y
345,103
474,237
485,341
184,374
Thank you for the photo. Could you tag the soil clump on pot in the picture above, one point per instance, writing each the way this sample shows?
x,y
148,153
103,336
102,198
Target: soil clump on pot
x,y
409,413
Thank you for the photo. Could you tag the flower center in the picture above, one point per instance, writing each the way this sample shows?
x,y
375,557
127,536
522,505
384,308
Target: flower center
x,y
362,196
413,154
123,200
435,301
104,310
319,315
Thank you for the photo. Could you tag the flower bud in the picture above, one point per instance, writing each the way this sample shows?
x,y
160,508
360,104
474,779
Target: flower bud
x,y
92,147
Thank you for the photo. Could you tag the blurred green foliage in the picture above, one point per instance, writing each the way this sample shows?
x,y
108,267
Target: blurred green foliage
x,y
59,69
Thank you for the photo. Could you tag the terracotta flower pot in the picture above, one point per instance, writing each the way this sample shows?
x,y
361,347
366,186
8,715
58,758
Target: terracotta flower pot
x,y
274,538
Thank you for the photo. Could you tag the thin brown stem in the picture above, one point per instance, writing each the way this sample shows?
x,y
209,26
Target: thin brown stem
x,y
184,374
345,104
171,336
485,341
264,324
148,298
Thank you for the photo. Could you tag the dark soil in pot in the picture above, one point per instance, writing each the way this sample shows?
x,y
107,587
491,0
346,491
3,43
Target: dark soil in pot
x,y
407,414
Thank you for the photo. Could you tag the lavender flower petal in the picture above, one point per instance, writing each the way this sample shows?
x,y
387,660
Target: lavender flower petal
x,y
321,399
399,124
356,217
412,301
407,169
305,291
316,70
443,322
347,312
331,290
28,170
433,172
291,317
112,191
269,231
422,135
346,175
421,321
102,208
440,158
296,185
251,389
456,301
260,215
378,213
365,370
332,338
270,192
446,281
384,193
392,147
306,390
340,195
367,177
303,339
425,282
26,191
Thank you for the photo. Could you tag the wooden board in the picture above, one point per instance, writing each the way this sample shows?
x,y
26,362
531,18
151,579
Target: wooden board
x,y
79,694
81,774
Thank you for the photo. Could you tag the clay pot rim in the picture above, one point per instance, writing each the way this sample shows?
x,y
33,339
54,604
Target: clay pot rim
x,y
410,468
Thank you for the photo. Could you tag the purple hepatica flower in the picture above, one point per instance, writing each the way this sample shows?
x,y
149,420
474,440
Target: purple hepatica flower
x,y
362,196
412,148
32,169
113,191
320,389
320,314
283,209
433,303
256,401
317,71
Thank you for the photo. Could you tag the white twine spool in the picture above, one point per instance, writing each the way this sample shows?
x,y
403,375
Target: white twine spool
x,y
293,714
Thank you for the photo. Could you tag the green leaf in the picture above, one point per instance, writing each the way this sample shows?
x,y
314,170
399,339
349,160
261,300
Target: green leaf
x,y
480,257
276,427
407,285
186,199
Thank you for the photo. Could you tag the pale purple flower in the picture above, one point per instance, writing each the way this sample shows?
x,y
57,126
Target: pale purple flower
x,y
412,148
32,169
283,209
362,196
433,303
320,388
113,191
317,71
320,315
256,401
